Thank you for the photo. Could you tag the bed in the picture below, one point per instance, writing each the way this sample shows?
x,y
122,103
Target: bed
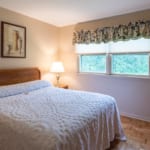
x,y
34,115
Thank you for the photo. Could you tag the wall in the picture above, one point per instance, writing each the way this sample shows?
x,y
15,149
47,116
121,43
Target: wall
x,y
41,43
132,94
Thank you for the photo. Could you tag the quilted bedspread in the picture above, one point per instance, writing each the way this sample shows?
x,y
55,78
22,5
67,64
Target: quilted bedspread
x,y
51,118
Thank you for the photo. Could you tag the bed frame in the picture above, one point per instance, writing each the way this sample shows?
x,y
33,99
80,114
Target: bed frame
x,y
13,76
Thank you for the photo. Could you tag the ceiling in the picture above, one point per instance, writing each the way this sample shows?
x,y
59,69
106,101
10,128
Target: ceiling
x,y
67,12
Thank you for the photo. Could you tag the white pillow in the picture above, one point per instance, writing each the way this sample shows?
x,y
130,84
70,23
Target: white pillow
x,y
19,88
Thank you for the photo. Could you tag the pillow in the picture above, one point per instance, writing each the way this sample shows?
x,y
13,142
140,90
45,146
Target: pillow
x,y
19,88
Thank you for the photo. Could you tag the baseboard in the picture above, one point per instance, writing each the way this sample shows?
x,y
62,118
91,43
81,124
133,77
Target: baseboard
x,y
135,116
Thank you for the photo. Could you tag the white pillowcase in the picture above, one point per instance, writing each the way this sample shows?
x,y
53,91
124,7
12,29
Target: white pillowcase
x,y
19,88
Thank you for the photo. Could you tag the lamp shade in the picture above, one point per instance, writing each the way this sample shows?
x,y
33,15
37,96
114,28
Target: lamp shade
x,y
57,67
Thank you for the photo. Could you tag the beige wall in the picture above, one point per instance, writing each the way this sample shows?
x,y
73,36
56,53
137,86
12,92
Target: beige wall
x,y
41,44
132,94
115,20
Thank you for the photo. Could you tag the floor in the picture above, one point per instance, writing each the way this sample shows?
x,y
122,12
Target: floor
x,y
138,135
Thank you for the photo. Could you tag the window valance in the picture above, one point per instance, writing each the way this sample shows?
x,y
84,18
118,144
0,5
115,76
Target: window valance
x,y
133,30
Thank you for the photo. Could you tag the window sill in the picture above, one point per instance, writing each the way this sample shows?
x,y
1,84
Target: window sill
x,y
114,75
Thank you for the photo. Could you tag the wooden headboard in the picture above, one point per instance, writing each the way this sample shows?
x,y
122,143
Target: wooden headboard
x,y
12,76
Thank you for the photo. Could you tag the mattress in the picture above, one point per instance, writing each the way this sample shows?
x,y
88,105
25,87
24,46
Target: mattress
x,y
39,116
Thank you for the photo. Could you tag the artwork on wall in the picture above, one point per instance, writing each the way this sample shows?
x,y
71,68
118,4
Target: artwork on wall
x,y
13,38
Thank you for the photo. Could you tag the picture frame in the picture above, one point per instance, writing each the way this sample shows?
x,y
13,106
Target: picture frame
x,y
13,40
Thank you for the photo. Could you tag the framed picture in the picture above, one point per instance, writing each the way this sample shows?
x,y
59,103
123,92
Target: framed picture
x,y
13,40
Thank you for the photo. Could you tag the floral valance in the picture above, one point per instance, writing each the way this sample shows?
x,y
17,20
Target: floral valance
x,y
133,30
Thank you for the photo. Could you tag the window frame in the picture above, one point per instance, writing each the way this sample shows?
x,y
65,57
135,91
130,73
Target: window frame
x,y
132,75
109,65
89,54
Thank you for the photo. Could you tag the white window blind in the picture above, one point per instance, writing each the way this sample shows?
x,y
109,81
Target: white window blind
x,y
91,48
130,46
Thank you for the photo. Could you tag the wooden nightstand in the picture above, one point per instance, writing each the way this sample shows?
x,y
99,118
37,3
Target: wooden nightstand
x,y
64,86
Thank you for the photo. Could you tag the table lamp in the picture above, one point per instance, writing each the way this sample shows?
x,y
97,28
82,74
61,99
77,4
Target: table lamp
x,y
57,67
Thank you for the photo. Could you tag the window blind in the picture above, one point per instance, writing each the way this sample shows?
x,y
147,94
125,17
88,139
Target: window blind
x,y
129,46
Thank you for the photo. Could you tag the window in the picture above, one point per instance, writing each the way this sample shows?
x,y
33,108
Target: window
x,y
93,63
123,57
131,64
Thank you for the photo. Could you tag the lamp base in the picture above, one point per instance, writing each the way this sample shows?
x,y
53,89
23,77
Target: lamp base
x,y
57,78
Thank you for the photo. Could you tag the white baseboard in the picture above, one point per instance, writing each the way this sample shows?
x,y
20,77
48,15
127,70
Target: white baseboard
x,y
135,116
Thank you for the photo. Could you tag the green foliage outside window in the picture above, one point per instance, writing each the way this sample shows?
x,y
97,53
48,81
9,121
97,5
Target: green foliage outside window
x,y
93,63
132,64
127,64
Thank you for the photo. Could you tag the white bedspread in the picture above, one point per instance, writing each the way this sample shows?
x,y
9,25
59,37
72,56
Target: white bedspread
x,y
56,119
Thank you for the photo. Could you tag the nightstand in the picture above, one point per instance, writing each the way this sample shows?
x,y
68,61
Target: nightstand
x,y
64,86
